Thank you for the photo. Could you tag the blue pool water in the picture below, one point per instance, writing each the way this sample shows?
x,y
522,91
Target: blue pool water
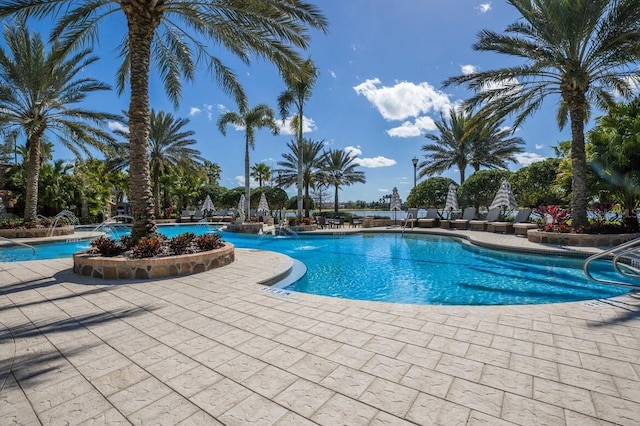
x,y
404,269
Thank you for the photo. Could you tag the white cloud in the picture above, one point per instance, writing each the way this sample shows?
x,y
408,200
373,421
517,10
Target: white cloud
x,y
383,190
308,126
371,163
410,129
374,162
468,69
527,158
113,125
332,74
483,7
539,146
193,111
404,99
353,151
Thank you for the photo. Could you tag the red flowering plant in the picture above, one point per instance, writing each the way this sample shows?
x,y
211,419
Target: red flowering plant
x,y
555,219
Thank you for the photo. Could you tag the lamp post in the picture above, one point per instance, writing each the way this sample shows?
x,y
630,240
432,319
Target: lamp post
x,y
414,160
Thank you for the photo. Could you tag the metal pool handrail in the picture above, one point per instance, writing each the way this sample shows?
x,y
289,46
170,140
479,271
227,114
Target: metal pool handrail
x,y
19,243
622,251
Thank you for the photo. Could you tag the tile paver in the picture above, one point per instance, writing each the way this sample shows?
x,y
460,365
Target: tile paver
x,y
215,347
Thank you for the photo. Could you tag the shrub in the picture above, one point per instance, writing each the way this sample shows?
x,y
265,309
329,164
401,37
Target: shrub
x,y
208,242
147,247
181,244
107,247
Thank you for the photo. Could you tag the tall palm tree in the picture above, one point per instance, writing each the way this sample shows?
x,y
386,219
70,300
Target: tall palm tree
x,y
581,50
312,162
340,170
261,172
450,148
299,87
257,117
170,33
41,96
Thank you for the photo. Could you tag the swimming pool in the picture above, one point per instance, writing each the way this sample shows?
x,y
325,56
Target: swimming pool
x,y
417,269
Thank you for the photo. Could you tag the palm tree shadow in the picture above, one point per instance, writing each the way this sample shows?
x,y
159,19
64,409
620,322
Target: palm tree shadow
x,y
33,367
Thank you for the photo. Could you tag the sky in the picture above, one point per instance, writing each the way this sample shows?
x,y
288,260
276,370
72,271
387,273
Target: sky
x,y
381,64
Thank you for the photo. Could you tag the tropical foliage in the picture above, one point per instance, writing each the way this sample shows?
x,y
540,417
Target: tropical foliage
x,y
583,51
431,192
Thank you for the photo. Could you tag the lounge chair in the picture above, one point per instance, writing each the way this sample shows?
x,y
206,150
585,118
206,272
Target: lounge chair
x,y
522,228
463,223
508,227
430,220
412,218
481,225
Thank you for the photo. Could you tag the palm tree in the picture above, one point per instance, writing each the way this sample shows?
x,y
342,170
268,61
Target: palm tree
x,y
582,50
170,33
261,172
299,86
340,169
492,144
41,95
250,119
312,162
170,149
450,148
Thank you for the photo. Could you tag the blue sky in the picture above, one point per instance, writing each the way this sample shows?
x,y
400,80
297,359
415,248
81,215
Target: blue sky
x,y
381,69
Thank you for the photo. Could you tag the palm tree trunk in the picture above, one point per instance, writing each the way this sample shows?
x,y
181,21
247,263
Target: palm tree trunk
x,y
141,29
307,205
32,176
156,189
335,199
247,187
578,164
300,165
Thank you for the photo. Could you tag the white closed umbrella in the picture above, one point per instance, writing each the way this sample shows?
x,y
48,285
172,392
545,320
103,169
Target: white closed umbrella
x,y
208,204
263,206
504,198
452,199
395,203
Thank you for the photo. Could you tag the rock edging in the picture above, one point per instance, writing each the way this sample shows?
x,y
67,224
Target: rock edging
x,y
120,267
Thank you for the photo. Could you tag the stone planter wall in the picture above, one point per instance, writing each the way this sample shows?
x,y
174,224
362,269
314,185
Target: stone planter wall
x,y
245,228
36,232
303,228
123,268
369,222
579,240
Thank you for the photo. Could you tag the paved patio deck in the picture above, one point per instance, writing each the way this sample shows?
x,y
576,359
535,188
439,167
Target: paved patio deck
x,y
217,348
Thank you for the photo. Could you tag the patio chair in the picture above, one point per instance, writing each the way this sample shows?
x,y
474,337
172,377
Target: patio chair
x,y
431,220
521,228
197,216
322,221
463,223
412,218
481,225
508,227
